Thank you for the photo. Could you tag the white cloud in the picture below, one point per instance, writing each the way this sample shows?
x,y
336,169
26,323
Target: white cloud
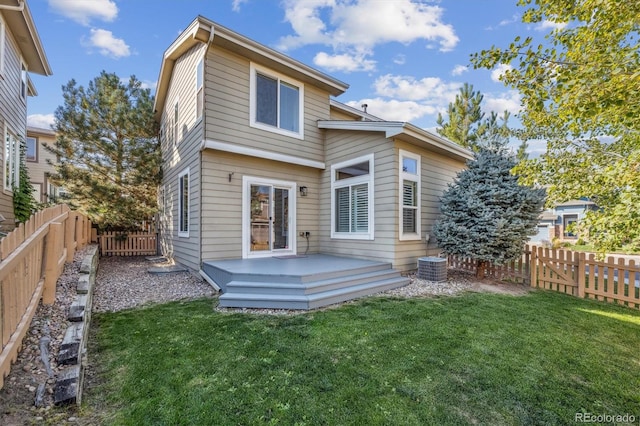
x,y
431,90
509,101
83,11
235,4
108,44
42,121
549,25
344,62
459,69
147,84
400,59
394,110
497,72
359,25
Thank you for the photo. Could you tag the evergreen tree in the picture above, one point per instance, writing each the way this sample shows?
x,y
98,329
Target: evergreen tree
x,y
108,151
465,118
485,214
24,203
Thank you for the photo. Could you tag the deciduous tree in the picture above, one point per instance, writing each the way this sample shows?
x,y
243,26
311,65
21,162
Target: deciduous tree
x,y
580,89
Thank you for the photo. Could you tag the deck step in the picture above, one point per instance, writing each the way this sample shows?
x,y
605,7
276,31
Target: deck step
x,y
309,288
310,301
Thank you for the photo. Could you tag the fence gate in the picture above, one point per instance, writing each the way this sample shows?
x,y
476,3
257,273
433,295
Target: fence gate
x,y
556,270
128,244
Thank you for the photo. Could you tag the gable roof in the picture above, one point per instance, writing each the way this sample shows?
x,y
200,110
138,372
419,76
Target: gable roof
x,y
406,131
18,19
203,30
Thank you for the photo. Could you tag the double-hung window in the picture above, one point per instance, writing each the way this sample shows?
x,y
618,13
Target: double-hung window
x,y
183,204
276,102
199,88
32,149
409,196
11,160
352,199
2,45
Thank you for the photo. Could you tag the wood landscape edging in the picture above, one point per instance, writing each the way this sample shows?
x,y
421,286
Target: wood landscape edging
x,y
73,351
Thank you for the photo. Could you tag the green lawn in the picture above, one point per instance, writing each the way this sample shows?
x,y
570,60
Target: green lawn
x,y
472,359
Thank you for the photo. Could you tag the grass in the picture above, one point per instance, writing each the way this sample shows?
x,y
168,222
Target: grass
x,y
472,359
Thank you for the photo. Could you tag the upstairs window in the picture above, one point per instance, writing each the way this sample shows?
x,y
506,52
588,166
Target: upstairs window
x,y
2,45
276,102
32,149
176,128
199,88
352,199
23,82
409,196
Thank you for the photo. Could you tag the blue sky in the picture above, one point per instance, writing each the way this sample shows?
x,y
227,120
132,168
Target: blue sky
x,y
406,59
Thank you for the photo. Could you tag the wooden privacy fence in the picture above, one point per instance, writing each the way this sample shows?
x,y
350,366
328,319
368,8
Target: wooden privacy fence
x,y
615,279
128,244
32,258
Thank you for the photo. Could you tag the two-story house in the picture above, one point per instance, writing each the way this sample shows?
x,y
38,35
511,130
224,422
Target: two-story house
x,y
40,163
21,53
261,162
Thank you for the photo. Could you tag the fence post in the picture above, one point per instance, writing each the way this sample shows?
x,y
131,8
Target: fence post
x,y
582,274
533,270
52,244
68,235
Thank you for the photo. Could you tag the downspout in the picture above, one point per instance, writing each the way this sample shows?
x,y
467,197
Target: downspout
x,y
204,129
18,8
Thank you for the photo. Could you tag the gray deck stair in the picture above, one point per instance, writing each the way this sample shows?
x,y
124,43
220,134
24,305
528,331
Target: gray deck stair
x,y
309,283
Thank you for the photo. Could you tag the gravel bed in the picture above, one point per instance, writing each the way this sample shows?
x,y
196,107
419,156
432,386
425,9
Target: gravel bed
x,y
125,283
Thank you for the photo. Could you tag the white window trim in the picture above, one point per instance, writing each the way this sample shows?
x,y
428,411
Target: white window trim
x,y
3,39
254,70
199,64
335,184
414,178
182,233
24,81
247,181
15,159
176,128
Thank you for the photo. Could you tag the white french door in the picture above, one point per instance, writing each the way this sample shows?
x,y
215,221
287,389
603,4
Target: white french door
x,y
268,211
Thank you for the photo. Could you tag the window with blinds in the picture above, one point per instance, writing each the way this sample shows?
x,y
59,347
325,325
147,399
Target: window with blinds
x,y
409,196
352,199
183,204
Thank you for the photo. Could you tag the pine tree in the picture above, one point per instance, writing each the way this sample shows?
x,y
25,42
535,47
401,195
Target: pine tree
x,y
485,214
465,118
108,151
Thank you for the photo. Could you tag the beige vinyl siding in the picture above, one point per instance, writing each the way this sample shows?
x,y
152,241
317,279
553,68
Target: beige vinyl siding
x,y
345,145
222,201
39,169
437,171
179,156
13,114
227,100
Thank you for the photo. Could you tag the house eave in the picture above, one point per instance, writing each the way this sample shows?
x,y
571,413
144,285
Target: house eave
x,y
20,22
203,30
402,130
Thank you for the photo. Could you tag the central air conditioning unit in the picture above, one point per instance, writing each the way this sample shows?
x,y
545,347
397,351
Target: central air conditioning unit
x,y
432,269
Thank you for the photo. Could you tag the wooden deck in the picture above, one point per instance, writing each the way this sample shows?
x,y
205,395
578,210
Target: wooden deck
x,y
299,282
